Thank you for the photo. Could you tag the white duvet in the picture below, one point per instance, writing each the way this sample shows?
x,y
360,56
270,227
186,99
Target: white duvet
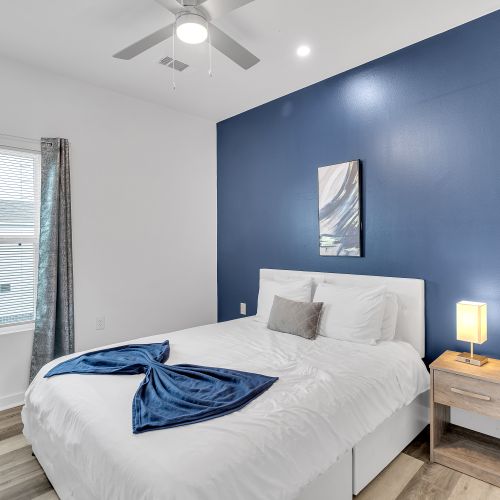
x,y
330,394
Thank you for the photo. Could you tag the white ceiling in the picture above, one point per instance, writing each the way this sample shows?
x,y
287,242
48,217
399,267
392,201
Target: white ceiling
x,y
78,38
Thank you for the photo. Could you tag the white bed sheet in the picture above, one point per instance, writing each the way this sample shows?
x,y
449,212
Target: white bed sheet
x,y
329,396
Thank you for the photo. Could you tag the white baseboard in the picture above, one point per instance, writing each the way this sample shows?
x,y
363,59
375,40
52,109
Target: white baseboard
x,y
11,401
476,422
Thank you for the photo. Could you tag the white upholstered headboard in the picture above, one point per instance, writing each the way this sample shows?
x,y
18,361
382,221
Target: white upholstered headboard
x,y
411,298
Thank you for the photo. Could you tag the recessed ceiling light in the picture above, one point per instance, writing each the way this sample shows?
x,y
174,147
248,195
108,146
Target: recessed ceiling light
x,y
303,51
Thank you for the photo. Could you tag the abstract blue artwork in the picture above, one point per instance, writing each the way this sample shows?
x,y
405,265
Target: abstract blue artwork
x,y
340,209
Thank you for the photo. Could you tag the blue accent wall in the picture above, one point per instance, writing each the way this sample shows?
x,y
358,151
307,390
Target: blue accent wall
x,y
425,122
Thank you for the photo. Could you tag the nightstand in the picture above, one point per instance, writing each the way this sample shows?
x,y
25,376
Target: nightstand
x,y
475,389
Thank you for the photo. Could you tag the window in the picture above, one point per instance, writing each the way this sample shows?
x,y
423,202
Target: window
x,y
19,225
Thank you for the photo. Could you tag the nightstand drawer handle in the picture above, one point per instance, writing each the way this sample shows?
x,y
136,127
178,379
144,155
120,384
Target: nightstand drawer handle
x,y
470,394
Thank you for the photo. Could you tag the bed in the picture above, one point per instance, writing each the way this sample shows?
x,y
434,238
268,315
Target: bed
x,y
338,415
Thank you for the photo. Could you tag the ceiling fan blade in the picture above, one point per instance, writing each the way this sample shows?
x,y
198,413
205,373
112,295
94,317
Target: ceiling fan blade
x,y
231,48
217,8
172,5
145,43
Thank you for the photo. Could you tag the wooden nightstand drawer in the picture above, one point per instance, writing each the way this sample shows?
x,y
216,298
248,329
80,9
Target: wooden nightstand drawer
x,y
467,393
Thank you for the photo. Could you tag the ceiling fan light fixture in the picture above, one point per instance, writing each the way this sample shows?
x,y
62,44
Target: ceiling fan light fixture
x,y
191,28
303,50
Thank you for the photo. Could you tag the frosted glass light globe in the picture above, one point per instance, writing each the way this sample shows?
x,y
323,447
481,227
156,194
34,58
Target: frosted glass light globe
x,y
303,51
191,28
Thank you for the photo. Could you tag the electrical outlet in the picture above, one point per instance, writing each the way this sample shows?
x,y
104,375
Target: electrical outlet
x,y
243,308
100,323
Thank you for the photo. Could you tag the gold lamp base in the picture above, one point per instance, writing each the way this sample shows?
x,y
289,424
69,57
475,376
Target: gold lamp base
x,y
472,359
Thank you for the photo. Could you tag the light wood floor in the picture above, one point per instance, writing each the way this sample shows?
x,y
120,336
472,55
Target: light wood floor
x,y
409,477
21,477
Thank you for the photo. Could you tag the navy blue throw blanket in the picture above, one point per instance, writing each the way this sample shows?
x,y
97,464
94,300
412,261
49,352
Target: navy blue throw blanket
x,y
170,395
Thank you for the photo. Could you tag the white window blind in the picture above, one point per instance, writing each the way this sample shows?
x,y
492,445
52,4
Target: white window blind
x,y
19,227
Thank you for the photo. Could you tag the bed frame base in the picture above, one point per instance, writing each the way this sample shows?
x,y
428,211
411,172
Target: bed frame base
x,y
377,450
334,484
359,466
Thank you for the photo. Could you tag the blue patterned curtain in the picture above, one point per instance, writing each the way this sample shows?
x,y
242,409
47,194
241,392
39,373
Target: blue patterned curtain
x,y
54,324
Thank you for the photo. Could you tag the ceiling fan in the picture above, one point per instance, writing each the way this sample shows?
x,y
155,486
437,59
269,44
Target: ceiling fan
x,y
193,24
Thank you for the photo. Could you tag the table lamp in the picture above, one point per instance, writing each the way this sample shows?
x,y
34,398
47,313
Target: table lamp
x,y
471,327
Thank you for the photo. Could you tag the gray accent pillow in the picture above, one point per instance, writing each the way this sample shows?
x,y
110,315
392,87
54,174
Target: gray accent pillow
x,y
297,318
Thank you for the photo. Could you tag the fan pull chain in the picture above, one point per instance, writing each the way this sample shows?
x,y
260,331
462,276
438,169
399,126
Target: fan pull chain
x,y
210,72
173,55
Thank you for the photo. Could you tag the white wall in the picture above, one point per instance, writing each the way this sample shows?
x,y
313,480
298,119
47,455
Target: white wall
x,y
143,181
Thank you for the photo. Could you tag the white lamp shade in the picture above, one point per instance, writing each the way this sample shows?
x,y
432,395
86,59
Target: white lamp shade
x,y
471,322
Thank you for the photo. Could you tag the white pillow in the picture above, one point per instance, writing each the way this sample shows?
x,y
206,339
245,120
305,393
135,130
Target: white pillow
x,y
351,313
300,290
390,316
